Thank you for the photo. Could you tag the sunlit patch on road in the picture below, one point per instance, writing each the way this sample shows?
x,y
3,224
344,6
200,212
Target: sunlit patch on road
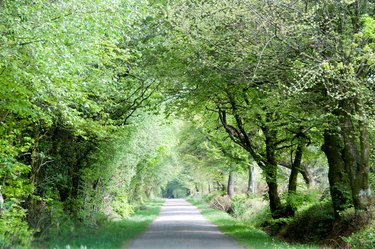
x,y
180,225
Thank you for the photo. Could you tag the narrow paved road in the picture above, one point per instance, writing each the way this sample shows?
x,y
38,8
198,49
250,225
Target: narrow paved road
x,y
180,225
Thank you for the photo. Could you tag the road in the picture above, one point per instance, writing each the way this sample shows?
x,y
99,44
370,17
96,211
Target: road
x,y
180,225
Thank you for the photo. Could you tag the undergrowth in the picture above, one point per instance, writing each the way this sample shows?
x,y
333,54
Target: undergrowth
x,y
316,223
364,239
110,234
243,230
313,224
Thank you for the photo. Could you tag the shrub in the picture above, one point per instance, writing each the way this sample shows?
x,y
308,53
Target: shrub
x,y
252,210
213,195
365,237
311,225
47,216
122,207
14,232
300,199
223,203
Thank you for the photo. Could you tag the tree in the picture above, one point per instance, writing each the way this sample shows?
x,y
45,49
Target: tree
x,y
338,60
230,74
69,82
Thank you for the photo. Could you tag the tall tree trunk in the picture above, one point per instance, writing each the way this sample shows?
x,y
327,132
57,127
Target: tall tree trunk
x,y
251,180
267,163
270,170
292,186
271,180
231,181
356,158
307,176
338,179
362,191
347,152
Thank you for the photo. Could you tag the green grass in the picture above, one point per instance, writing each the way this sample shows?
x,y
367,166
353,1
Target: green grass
x,y
247,235
111,235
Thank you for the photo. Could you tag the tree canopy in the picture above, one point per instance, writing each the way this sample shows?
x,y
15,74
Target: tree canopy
x,y
104,104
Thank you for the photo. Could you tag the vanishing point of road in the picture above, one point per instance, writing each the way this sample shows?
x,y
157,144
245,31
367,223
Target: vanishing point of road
x,y
180,225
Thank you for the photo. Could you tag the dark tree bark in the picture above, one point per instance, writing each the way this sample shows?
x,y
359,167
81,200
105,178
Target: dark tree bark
x,y
303,170
275,203
356,154
338,179
292,186
267,162
271,172
362,191
296,165
347,149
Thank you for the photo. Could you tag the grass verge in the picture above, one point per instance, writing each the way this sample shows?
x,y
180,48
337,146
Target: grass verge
x,y
247,235
111,235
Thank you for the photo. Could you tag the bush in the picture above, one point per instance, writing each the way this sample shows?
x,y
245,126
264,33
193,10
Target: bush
x,y
300,199
311,225
365,238
239,205
223,203
211,196
252,210
47,216
14,232
122,207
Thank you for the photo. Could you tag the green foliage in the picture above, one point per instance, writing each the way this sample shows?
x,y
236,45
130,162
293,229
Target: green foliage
x,y
14,187
109,234
364,239
274,72
14,232
75,147
56,220
69,81
48,218
136,168
310,225
368,27
302,199
122,207
244,232
250,210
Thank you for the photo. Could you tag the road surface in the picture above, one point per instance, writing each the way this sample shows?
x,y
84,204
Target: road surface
x,y
180,225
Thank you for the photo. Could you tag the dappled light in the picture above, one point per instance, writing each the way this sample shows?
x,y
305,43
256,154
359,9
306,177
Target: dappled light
x,y
261,113
184,229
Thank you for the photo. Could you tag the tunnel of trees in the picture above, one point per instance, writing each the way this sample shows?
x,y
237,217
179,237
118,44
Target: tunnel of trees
x,y
175,189
105,104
